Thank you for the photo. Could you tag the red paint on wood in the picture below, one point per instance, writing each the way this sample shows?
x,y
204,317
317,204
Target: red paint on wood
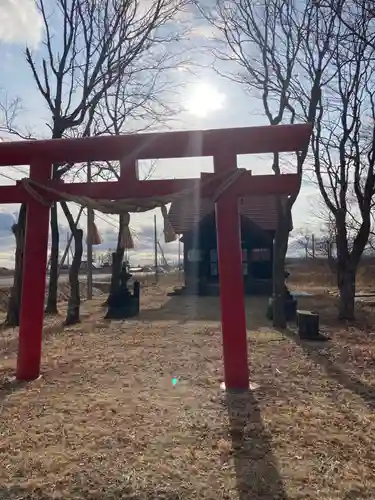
x,y
247,185
129,172
232,297
247,140
12,194
34,282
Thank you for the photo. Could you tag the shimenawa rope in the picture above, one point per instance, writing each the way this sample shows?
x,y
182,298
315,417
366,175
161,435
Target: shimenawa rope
x,y
134,205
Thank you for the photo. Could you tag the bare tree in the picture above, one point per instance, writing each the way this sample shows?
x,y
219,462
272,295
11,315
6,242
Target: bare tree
x,y
305,241
74,303
139,101
344,153
303,62
260,48
98,44
353,15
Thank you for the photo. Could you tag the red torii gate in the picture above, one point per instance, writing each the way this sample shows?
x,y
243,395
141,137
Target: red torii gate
x,y
223,145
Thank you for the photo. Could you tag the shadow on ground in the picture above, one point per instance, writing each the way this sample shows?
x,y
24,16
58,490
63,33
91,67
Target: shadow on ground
x,y
94,492
256,471
196,308
320,354
257,474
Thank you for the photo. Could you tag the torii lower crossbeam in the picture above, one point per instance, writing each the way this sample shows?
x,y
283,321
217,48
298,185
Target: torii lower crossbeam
x,y
222,145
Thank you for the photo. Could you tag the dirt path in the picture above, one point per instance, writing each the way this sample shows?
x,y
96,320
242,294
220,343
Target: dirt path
x,y
106,422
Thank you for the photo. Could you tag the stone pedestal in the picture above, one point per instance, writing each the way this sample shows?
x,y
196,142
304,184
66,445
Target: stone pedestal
x,y
308,325
122,303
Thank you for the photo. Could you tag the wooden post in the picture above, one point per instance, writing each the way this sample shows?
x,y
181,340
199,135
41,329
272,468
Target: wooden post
x,y
136,295
179,258
34,281
90,223
308,325
68,242
156,251
313,246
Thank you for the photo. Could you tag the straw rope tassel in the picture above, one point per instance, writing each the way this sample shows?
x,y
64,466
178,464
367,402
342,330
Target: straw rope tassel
x,y
126,237
169,234
95,236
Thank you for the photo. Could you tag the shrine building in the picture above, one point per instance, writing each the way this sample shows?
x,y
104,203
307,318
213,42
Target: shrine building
x,y
194,219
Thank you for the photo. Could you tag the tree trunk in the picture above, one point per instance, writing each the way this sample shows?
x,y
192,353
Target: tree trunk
x,y
51,307
74,303
347,294
279,253
346,266
14,304
117,258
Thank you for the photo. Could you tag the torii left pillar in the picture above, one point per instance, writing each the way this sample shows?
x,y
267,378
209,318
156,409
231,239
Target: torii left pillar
x,y
34,280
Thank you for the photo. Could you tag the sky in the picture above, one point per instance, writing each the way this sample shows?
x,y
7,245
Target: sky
x,y
208,101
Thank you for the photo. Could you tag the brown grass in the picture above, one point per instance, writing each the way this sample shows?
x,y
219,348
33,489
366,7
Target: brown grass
x,y
105,421
63,293
317,274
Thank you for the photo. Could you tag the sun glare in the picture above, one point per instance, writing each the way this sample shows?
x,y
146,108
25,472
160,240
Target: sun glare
x,y
204,100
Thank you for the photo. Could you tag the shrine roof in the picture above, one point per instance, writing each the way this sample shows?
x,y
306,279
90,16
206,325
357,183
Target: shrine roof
x,y
185,213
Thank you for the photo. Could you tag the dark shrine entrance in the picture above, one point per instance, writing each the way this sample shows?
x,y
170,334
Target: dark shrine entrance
x,y
223,189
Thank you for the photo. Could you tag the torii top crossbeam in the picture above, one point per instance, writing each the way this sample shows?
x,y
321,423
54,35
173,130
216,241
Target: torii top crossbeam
x,y
127,149
223,145
185,144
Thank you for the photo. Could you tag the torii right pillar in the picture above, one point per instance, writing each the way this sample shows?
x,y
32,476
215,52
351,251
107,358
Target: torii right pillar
x,y
232,297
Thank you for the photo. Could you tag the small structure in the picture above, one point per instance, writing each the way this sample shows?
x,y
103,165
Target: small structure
x,y
122,303
195,220
308,326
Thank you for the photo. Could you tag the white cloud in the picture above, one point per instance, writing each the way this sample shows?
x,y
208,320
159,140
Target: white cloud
x,y
20,22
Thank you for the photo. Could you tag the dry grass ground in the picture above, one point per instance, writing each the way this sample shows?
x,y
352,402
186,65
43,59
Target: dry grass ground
x,y
316,274
105,421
